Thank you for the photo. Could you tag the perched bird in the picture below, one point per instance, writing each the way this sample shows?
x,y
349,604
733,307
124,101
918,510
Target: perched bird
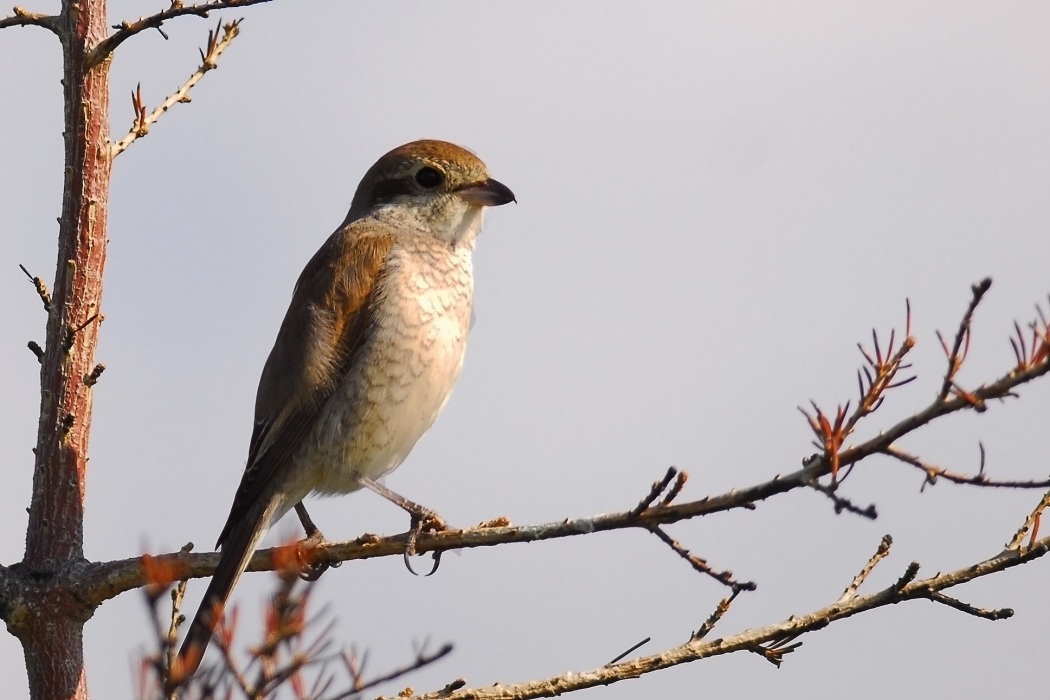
x,y
368,352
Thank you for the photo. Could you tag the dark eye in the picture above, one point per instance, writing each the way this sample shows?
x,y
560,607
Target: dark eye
x,y
429,177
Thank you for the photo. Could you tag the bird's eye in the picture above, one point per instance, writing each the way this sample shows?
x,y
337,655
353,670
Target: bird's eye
x,y
429,177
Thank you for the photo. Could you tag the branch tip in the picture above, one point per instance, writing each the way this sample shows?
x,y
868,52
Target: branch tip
x,y
21,17
636,646
209,61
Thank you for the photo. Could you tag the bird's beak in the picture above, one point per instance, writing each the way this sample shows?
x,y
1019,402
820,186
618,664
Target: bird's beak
x,y
490,193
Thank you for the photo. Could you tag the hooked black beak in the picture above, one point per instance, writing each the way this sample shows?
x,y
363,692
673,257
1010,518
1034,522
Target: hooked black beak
x,y
490,193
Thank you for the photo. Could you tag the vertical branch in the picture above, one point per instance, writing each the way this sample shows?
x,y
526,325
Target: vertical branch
x,y
52,635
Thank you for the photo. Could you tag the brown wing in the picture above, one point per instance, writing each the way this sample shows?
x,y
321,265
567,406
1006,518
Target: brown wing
x,y
326,323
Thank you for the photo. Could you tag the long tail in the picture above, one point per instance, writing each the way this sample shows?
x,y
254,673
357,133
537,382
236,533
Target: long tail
x,y
237,549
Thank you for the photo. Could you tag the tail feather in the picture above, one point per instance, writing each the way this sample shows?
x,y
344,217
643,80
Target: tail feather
x,y
237,549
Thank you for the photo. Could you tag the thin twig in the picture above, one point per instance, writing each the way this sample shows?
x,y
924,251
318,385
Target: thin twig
x,y
639,645
1000,614
700,565
1031,524
713,619
844,504
860,578
933,472
422,659
177,618
676,488
128,29
654,493
957,355
142,123
776,635
104,580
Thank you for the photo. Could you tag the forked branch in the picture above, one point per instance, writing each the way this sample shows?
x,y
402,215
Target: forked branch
x,y
209,61
127,29
771,642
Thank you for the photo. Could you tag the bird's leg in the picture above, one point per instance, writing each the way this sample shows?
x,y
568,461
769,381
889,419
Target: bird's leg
x,y
313,533
314,536
429,518
422,519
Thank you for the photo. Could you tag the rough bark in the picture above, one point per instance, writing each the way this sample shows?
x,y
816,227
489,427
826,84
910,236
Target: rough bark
x,y
51,624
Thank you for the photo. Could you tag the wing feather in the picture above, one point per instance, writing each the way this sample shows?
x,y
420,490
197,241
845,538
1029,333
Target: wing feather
x,y
327,322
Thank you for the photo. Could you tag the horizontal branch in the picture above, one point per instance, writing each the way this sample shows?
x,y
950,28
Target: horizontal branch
x,y
752,640
128,29
21,17
934,472
104,580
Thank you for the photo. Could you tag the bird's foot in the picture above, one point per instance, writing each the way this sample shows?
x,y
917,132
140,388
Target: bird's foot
x,y
423,520
312,567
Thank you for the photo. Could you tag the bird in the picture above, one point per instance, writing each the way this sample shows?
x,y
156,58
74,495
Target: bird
x,y
366,356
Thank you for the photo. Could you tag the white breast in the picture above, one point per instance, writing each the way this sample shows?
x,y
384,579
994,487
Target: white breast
x,y
404,374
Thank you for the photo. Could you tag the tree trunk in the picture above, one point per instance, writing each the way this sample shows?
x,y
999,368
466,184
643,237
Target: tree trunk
x,y
52,630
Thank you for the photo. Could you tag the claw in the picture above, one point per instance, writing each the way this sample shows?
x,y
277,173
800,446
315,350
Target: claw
x,y
424,520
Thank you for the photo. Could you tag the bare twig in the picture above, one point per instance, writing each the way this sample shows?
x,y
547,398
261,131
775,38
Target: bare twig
x,y
844,504
128,29
933,472
142,123
700,565
71,332
772,637
104,580
860,578
1031,524
654,493
21,17
639,645
422,659
908,576
675,489
1000,614
713,619
957,355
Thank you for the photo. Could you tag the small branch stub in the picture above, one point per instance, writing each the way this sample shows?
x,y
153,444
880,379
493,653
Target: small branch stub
x,y
41,288
20,17
71,332
36,350
92,378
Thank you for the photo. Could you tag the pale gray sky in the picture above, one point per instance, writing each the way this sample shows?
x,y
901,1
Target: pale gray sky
x,y
716,202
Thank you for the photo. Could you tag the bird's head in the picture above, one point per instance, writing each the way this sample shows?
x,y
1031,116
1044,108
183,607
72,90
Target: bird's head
x,y
434,186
